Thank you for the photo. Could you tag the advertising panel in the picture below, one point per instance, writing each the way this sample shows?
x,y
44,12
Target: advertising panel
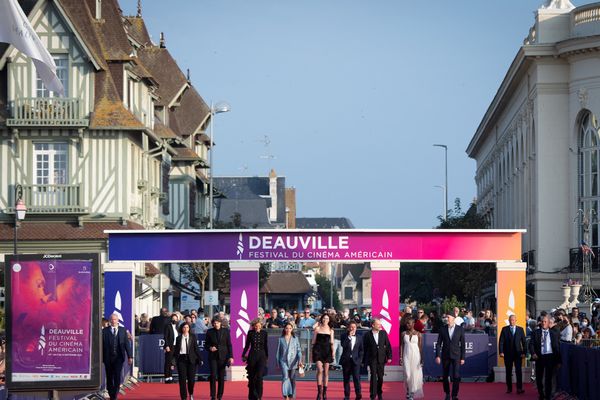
x,y
52,321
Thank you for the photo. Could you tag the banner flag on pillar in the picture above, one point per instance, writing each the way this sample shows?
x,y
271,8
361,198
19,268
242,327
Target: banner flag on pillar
x,y
118,297
244,308
385,302
511,280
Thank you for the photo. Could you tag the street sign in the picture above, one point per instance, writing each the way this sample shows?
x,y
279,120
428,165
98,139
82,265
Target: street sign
x,y
211,298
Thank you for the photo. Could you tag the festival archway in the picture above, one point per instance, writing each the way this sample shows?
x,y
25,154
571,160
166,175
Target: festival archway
x,y
385,249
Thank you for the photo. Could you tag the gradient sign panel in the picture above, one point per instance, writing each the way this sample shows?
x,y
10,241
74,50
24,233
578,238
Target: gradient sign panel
x,y
334,245
50,322
244,308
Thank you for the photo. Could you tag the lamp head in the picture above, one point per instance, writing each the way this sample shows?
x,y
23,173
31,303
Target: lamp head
x,y
20,209
221,107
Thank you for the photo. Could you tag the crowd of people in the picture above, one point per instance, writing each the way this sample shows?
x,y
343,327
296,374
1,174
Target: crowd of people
x,y
538,338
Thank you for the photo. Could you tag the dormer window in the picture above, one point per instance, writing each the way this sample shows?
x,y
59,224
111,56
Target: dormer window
x,y
62,71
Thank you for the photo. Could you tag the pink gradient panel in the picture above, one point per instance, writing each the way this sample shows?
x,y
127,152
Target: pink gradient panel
x,y
385,296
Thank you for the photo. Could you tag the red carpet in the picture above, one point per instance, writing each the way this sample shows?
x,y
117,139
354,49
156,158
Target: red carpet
x,y
307,390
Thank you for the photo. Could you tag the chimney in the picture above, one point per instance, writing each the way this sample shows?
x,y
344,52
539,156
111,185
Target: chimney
x,y
98,10
162,40
273,211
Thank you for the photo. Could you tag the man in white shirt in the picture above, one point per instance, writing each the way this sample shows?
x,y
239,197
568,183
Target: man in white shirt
x,y
544,348
458,320
378,352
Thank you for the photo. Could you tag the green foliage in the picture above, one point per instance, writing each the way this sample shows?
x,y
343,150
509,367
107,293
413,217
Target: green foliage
x,y
449,303
457,219
324,290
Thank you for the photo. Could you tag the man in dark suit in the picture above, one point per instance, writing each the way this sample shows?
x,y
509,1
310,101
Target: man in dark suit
x,y
512,348
451,345
170,333
351,359
116,348
544,348
220,353
378,352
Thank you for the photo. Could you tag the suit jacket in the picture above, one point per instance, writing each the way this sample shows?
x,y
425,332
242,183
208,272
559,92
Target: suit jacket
x,y
220,339
451,349
377,353
123,345
193,351
169,336
535,344
256,342
513,346
349,354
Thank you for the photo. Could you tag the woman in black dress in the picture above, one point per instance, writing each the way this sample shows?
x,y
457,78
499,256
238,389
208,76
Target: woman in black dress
x,y
255,354
322,354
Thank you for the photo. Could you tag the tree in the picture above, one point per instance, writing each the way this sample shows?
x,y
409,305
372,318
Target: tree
x,y
324,289
196,272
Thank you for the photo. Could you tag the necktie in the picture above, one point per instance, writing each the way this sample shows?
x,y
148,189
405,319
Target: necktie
x,y
545,346
114,331
512,330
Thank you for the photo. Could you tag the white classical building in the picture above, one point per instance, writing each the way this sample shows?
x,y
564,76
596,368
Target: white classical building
x,y
537,147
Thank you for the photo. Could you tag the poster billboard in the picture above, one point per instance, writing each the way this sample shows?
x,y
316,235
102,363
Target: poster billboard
x,y
118,297
52,321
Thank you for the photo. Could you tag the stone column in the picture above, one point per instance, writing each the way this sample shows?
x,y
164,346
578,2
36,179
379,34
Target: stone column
x,y
243,309
385,300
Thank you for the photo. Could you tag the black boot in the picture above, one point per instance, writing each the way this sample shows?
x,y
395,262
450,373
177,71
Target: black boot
x,y
324,392
320,390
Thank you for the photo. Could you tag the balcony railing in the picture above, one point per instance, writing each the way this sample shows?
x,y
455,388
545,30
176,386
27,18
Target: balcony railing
x,y
40,111
53,199
576,260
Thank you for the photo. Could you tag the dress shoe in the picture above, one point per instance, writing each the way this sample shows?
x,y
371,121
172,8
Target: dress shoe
x,y
509,391
520,391
447,397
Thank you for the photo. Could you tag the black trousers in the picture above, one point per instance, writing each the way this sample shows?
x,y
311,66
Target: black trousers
x,y
217,373
451,369
187,376
169,355
509,362
113,377
376,383
351,370
544,373
256,369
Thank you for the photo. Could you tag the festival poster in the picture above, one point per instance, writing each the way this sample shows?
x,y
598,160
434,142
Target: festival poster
x,y
50,320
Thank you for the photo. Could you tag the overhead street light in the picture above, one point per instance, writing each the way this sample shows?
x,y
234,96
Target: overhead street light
x,y
220,107
445,147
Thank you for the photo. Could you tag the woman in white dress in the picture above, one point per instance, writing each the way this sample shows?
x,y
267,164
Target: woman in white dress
x,y
412,360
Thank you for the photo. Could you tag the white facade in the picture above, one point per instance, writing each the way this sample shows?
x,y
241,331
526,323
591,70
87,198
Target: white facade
x,y
530,149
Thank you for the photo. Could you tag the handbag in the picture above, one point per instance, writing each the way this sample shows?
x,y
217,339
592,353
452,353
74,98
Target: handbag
x,y
301,372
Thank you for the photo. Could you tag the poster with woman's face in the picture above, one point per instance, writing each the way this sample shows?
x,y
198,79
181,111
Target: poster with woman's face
x,y
51,320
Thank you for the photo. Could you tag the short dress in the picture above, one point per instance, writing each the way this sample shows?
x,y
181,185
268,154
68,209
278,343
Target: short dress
x,y
321,350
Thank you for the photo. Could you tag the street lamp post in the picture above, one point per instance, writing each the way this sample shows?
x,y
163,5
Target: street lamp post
x,y
220,107
20,211
444,199
445,147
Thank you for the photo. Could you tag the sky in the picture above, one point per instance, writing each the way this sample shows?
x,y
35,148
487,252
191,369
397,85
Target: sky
x,y
345,98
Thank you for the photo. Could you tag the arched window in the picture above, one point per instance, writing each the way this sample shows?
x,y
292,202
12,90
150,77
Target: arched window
x,y
588,169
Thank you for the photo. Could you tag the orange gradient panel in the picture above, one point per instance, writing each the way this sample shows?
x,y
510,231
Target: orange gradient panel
x,y
511,300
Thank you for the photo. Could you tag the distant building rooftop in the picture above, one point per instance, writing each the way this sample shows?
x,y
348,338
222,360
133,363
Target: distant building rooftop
x,y
324,223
